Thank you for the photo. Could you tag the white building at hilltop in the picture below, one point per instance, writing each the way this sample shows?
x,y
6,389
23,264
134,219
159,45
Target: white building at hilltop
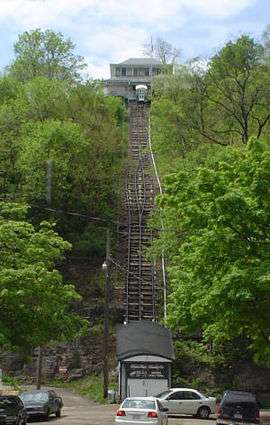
x,y
126,75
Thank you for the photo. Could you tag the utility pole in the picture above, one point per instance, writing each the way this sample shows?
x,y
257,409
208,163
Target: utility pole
x,y
39,368
49,166
105,267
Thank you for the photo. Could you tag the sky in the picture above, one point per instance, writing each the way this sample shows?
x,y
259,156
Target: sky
x,y
111,31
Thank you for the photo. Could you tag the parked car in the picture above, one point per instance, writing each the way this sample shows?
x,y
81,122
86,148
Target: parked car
x,y
42,403
187,401
12,411
238,406
141,410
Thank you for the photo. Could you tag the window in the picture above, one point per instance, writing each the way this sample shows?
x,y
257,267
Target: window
x,y
163,394
178,395
146,72
138,404
124,72
118,72
141,72
135,72
6,402
190,395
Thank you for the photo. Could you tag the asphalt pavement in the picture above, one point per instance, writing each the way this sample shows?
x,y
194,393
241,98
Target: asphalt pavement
x,y
80,410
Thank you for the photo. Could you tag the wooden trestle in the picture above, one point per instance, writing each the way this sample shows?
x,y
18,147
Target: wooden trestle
x,y
140,287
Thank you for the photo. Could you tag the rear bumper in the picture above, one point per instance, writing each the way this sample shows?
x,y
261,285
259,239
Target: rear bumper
x,y
132,422
221,421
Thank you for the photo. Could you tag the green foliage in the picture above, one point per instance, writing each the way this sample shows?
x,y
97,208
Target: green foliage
x,y
11,382
218,245
48,115
199,353
45,53
224,101
33,298
90,386
81,132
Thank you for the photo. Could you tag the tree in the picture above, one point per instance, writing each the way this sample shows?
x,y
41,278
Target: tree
x,y
217,236
47,54
225,101
34,300
236,87
162,50
70,124
266,40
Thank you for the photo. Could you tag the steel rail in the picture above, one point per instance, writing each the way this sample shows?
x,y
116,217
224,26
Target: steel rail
x,y
140,286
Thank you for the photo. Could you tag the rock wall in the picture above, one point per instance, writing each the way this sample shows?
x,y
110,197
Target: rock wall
x,y
81,357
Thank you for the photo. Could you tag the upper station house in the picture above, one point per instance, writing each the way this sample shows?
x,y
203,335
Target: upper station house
x,y
125,76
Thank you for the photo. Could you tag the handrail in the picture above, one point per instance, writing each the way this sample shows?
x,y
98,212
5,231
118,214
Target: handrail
x,y
162,224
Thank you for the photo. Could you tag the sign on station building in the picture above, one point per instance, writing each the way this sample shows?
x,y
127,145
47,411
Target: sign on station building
x,y
145,354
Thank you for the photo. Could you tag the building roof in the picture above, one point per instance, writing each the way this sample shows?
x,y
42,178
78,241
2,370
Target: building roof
x,y
141,61
144,337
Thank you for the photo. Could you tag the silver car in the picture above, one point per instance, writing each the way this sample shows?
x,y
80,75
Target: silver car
x,y
141,411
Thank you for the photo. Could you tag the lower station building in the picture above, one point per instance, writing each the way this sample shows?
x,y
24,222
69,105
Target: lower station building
x,y
145,354
126,75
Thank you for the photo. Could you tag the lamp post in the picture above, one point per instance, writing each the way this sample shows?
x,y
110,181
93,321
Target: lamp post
x,y
105,268
49,170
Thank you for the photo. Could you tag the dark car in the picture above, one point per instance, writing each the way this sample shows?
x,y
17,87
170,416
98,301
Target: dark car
x,y
12,411
42,403
238,406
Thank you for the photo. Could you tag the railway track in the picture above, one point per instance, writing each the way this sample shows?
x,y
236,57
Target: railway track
x,y
140,286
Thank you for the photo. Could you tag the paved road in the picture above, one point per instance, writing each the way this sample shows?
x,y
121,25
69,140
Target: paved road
x,y
81,411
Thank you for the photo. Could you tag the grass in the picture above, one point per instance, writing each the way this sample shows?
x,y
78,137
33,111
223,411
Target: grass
x,y
90,386
12,382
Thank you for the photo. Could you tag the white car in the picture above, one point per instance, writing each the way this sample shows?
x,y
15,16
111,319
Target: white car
x,y
186,401
141,411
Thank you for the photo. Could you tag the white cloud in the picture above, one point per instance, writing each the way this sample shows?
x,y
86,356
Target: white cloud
x,y
218,8
158,12
112,29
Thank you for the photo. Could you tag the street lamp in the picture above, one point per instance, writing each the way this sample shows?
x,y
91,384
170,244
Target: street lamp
x,y
105,268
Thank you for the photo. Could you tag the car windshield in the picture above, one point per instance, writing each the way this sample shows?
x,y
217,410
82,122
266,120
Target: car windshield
x,y
139,404
35,397
163,394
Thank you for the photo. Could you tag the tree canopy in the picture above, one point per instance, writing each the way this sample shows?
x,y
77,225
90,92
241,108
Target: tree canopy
x,y
47,54
217,238
162,50
51,118
33,297
223,101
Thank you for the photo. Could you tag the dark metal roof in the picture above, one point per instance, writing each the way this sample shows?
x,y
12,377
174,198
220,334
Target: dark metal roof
x,y
141,61
144,338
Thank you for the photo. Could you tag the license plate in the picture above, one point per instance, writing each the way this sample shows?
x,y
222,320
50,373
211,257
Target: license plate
x,y
136,417
238,416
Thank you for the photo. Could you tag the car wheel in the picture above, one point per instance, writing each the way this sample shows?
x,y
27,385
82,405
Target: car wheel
x,y
58,413
203,412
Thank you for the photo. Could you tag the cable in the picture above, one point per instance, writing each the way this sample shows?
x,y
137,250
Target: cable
x,y
118,223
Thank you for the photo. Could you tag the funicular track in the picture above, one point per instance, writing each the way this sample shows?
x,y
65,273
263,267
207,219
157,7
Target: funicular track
x,y
140,288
